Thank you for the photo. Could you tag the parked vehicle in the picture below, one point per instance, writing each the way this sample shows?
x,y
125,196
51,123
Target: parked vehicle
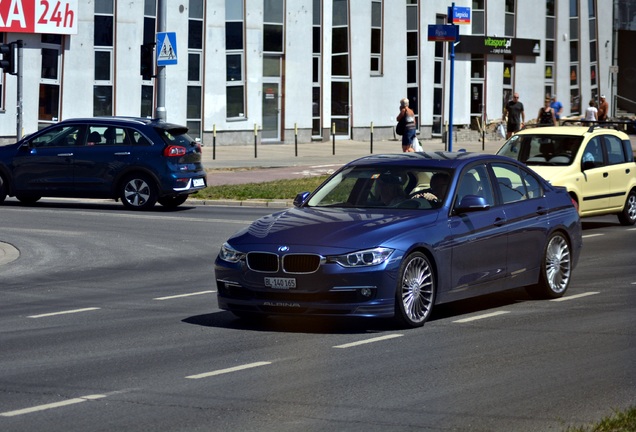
x,y
594,163
136,160
394,235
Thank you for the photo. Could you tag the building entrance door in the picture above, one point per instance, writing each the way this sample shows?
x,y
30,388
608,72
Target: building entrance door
x,y
271,111
341,108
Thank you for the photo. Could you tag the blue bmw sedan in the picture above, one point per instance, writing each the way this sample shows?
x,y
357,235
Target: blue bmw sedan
x,y
394,235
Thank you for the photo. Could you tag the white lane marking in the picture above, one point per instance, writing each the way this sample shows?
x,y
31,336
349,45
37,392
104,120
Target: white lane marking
x,y
478,317
592,235
63,312
52,405
366,341
183,295
228,370
576,296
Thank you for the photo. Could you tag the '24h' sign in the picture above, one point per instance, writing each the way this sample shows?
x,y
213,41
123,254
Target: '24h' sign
x,y
39,16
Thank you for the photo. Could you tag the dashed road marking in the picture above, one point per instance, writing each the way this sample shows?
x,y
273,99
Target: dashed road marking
x,y
367,341
576,296
228,370
51,405
64,312
484,316
184,295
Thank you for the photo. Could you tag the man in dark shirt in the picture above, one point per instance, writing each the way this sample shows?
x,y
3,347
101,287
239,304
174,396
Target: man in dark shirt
x,y
513,110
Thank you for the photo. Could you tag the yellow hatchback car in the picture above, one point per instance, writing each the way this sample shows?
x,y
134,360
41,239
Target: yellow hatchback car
x,y
594,163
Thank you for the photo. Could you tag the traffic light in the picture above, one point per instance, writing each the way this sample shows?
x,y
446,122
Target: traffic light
x,y
147,63
9,60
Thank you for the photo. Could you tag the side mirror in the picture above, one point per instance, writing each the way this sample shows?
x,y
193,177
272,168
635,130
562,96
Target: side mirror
x,y
300,199
471,203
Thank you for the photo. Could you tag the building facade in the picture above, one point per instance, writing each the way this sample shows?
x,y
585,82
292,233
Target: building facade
x,y
312,69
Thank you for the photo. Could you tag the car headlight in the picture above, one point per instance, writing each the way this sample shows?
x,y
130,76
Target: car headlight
x,y
361,258
229,254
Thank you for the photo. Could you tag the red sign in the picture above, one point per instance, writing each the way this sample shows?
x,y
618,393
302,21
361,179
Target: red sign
x,y
39,16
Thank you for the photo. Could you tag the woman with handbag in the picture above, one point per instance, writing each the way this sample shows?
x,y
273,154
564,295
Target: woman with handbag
x,y
406,125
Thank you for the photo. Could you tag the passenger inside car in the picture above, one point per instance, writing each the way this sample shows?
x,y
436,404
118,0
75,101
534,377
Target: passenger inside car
x,y
437,191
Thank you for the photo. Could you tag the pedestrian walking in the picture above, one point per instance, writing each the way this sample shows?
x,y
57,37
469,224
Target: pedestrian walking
x,y
513,115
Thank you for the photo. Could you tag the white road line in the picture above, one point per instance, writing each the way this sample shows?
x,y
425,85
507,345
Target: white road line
x,y
183,295
366,341
63,312
576,296
478,317
51,405
228,370
592,235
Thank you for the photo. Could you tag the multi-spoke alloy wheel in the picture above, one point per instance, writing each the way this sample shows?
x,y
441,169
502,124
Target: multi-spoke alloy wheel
x,y
415,294
556,269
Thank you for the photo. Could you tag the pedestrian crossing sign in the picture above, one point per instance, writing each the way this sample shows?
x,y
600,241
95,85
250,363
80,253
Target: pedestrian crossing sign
x,y
166,48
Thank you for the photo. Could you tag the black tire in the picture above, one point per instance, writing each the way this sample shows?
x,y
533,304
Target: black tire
x,y
628,215
556,269
173,201
415,291
3,190
28,199
138,192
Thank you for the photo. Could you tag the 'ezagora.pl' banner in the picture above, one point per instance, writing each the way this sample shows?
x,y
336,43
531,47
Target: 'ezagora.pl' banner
x,y
39,16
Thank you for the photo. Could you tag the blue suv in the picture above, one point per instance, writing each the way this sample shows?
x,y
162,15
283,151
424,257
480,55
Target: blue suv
x,y
139,161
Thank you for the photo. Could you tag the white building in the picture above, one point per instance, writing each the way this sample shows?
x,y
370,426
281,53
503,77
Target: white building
x,y
309,67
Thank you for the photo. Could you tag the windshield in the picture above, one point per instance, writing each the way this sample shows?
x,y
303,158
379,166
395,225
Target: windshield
x,y
542,149
372,187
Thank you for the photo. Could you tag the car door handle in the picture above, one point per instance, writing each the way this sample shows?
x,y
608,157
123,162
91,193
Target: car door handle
x,y
65,154
122,153
542,210
605,175
500,222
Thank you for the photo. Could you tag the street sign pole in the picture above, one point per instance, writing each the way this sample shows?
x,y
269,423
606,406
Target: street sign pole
x,y
160,112
451,13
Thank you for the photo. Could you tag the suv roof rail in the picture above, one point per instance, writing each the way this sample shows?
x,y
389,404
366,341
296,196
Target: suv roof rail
x,y
619,125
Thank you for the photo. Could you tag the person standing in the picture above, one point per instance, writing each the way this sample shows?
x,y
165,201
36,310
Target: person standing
x,y
590,112
546,114
603,109
557,107
513,111
408,117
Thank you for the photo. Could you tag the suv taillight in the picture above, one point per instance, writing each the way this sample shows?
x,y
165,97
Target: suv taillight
x,y
173,150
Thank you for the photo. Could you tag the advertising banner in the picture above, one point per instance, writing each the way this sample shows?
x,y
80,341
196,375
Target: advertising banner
x,y
39,16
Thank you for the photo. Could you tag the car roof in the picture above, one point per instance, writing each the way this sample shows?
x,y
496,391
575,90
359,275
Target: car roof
x,y
441,159
575,129
124,120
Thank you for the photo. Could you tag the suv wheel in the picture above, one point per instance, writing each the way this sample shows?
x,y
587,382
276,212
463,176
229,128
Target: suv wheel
x,y
3,190
628,215
138,192
173,201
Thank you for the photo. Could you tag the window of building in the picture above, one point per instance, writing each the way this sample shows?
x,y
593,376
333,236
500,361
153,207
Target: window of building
x,y
147,108
478,18
438,83
316,100
550,65
234,54
376,37
592,22
195,68
509,19
575,93
103,41
3,39
50,80
412,57
340,39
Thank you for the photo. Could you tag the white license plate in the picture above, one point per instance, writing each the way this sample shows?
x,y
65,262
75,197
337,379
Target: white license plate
x,y
280,283
198,182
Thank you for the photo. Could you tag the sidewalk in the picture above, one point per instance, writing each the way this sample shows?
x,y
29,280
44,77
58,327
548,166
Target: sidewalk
x,y
246,164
